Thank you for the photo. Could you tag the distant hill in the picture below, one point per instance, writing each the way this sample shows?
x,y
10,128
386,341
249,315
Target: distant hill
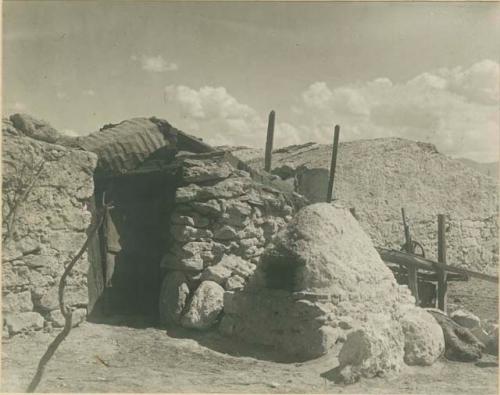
x,y
489,168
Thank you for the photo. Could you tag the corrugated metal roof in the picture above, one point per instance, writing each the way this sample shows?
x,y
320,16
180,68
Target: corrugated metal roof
x,y
125,146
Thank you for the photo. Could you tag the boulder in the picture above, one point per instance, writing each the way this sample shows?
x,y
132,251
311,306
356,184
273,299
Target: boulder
x,y
17,302
173,297
57,319
205,306
23,322
35,128
218,273
465,318
73,296
210,208
424,339
184,233
188,193
206,170
235,282
173,262
375,349
193,219
236,213
225,232
460,343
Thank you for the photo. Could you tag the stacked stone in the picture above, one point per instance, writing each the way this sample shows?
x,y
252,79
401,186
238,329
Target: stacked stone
x,y
222,221
49,225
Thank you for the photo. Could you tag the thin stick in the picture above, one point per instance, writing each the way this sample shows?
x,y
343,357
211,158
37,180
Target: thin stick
x,y
11,216
333,164
412,269
269,141
442,276
66,312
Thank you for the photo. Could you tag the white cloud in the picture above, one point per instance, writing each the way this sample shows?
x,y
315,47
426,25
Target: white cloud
x,y
155,64
216,116
88,92
61,95
456,109
213,114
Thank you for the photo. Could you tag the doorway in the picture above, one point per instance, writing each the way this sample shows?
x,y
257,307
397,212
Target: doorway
x,y
141,209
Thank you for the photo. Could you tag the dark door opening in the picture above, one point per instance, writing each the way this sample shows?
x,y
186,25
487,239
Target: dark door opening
x,y
141,210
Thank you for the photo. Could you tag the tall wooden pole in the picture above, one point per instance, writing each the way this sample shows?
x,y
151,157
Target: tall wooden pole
x,y
442,280
333,164
411,269
269,141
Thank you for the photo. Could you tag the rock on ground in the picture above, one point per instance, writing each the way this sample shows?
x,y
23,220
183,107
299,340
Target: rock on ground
x,y
173,297
465,318
21,322
424,339
373,350
205,306
460,343
58,321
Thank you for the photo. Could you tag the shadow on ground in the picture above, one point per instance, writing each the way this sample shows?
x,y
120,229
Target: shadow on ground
x,y
217,342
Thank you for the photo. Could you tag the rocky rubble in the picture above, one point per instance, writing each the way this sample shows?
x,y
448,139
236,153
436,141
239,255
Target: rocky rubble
x,y
222,220
51,184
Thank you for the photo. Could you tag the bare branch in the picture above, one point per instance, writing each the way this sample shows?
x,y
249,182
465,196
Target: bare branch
x,y
65,310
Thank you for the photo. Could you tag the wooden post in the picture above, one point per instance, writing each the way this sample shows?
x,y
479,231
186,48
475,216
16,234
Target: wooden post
x,y
406,227
411,269
333,164
442,276
269,141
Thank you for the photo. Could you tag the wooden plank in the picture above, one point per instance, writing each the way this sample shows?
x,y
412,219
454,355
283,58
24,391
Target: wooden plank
x,y
402,258
412,269
425,276
333,164
269,141
442,280
413,282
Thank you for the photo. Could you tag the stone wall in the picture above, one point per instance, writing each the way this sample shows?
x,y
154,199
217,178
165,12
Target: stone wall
x,y
46,190
222,220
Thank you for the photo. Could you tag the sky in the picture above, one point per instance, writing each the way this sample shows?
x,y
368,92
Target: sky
x,y
423,71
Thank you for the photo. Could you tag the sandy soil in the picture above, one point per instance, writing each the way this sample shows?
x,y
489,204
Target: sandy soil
x,y
134,357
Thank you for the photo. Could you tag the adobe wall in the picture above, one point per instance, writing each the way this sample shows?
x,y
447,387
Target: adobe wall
x,y
472,238
52,185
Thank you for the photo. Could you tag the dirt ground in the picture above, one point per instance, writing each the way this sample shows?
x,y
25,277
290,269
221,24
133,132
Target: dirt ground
x,y
120,358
